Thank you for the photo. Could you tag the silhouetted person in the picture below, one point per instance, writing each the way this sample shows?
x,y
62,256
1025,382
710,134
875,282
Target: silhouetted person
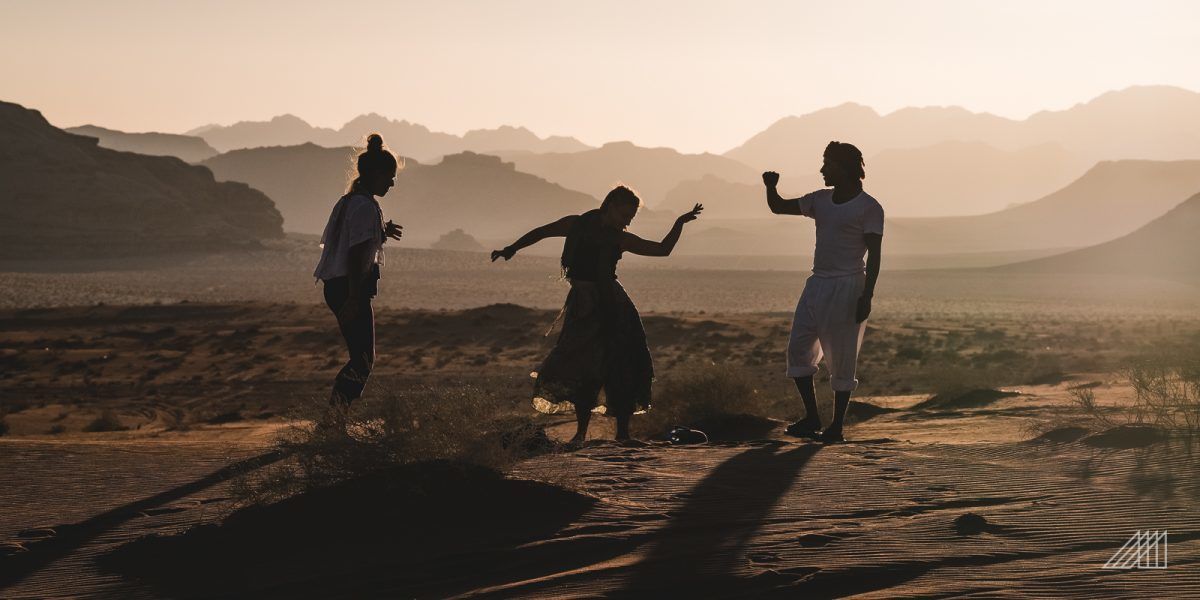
x,y
831,316
602,344
351,254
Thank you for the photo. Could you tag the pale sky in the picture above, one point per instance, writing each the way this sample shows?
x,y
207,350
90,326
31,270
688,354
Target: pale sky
x,y
694,75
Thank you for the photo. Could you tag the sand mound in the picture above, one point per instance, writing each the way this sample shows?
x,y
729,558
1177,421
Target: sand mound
x,y
970,399
865,411
1062,435
397,521
1126,436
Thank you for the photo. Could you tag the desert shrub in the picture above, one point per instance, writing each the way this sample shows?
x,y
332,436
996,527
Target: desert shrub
x,y
1166,396
693,394
107,420
459,423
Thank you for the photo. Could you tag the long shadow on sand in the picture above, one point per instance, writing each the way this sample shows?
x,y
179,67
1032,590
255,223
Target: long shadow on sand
x,y
68,538
701,549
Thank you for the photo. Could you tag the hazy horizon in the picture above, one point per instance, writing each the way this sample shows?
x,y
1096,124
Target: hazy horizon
x,y
598,73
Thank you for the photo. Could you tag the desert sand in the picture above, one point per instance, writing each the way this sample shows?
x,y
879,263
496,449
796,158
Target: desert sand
x,y
130,416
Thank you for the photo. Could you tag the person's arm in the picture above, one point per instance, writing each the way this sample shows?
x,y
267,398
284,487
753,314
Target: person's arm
x,y
644,247
559,228
778,204
874,242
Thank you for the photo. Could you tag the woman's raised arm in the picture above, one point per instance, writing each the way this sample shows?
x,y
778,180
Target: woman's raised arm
x,y
644,247
559,228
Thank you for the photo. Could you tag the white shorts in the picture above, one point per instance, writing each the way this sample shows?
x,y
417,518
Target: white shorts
x,y
824,326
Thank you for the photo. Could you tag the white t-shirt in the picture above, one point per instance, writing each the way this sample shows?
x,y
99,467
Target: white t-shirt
x,y
355,219
840,228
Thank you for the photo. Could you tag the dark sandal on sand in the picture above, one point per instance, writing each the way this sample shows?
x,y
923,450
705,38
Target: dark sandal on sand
x,y
801,429
829,437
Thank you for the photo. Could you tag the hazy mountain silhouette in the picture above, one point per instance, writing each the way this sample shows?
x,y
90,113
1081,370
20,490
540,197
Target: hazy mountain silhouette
x,y
189,148
1148,122
470,190
1164,247
947,178
967,178
1111,200
458,240
652,172
303,180
482,192
1108,201
404,137
64,196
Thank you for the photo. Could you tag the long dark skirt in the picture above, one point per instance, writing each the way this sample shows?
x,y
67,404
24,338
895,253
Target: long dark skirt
x,y
602,346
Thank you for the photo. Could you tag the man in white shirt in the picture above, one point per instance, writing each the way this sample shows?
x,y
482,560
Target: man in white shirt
x,y
831,315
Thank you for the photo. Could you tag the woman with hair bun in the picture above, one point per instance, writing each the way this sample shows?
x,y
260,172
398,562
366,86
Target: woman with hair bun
x,y
351,254
602,345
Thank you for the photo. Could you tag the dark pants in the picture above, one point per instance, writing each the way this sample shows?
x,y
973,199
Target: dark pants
x,y
359,333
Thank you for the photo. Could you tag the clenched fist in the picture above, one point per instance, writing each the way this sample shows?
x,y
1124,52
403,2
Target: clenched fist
x,y
771,179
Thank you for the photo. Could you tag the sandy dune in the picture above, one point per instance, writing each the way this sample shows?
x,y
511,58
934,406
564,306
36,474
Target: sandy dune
x,y
878,518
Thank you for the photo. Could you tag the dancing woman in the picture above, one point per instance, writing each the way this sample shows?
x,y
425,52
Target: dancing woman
x,y
351,254
602,345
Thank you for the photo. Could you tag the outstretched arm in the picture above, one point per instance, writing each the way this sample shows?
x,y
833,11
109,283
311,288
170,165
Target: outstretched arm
x,y
644,247
874,243
778,204
559,228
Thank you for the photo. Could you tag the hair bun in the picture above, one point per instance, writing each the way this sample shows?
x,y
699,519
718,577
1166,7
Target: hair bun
x,y
374,143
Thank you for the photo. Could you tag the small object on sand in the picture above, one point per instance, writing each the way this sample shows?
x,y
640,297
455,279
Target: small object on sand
x,y
831,437
970,524
683,435
802,429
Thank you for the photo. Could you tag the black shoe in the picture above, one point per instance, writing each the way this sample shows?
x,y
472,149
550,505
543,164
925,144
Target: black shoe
x,y
804,429
831,437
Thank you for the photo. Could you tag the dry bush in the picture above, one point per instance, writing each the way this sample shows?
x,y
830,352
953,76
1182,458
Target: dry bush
x,y
459,423
107,420
1166,396
696,393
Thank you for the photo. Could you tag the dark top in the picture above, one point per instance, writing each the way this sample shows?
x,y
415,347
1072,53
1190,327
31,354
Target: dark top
x,y
592,249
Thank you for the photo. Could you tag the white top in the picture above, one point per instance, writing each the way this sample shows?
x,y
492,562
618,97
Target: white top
x,y
355,219
840,228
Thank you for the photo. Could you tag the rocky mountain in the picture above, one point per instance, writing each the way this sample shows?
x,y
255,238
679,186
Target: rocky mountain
x,y
459,241
1108,201
64,196
466,190
943,179
1164,247
1147,122
189,148
303,180
652,172
404,137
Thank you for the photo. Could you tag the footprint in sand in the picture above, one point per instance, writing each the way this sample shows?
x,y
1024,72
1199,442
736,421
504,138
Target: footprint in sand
x,y
763,557
817,540
37,533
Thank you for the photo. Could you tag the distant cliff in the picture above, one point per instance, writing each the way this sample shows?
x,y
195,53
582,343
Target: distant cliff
x,y
63,196
189,148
